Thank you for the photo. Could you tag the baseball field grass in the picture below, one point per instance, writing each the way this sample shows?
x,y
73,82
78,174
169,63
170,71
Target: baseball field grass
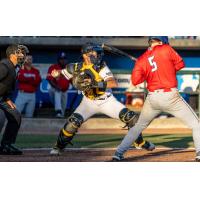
x,y
101,147
104,140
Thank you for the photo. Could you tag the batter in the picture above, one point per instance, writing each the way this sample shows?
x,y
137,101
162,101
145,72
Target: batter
x,y
158,67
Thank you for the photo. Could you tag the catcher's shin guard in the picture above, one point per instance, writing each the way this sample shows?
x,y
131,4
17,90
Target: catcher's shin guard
x,y
128,117
69,130
140,140
140,143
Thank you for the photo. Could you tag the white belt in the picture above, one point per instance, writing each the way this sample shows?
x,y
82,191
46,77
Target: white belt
x,y
163,90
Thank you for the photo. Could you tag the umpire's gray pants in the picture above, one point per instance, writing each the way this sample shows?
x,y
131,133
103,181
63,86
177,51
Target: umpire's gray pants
x,y
157,102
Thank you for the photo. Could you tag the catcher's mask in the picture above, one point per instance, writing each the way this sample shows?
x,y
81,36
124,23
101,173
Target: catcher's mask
x,y
90,47
20,51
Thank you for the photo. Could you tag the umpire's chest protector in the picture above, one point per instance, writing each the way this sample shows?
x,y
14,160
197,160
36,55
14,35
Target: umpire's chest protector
x,y
7,85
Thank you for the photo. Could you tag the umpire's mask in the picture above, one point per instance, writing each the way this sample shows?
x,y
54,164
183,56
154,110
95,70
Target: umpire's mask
x,y
21,53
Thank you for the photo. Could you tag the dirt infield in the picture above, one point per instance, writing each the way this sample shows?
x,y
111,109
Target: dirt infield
x,y
103,155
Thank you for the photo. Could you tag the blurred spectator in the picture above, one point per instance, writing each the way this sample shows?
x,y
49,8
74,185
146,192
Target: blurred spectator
x,y
184,37
58,86
28,81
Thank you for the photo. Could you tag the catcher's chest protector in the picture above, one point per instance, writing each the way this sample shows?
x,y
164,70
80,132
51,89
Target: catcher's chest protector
x,y
94,73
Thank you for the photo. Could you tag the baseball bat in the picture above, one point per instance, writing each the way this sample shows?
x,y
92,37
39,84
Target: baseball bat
x,y
118,52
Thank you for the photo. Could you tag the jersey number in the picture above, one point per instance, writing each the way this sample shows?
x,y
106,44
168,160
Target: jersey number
x,y
153,64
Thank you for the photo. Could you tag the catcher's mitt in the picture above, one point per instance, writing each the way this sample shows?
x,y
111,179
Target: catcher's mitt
x,y
82,81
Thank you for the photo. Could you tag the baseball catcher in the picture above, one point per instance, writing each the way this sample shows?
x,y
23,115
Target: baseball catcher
x,y
93,77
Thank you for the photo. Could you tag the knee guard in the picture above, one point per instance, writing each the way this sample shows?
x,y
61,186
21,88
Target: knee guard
x,y
69,130
128,117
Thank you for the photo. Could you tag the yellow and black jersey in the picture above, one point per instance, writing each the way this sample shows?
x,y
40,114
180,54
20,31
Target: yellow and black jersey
x,y
98,73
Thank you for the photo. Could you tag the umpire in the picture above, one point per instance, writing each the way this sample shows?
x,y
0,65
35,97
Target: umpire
x,y
15,57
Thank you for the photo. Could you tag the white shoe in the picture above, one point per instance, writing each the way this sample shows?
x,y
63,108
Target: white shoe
x,y
59,115
56,151
198,157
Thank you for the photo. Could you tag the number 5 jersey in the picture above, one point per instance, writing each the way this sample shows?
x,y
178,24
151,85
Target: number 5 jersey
x,y
158,67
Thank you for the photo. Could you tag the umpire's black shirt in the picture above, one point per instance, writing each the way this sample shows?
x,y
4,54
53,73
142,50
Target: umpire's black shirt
x,y
7,78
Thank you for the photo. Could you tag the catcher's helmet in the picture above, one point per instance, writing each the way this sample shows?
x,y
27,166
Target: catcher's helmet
x,y
163,39
91,47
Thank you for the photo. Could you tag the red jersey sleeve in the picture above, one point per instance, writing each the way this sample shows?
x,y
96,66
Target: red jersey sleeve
x,y
176,59
138,73
49,76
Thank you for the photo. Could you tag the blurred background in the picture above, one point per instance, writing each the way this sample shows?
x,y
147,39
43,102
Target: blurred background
x,y
45,50
40,127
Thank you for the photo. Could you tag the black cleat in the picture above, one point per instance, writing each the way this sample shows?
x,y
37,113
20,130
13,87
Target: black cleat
x,y
9,149
117,157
